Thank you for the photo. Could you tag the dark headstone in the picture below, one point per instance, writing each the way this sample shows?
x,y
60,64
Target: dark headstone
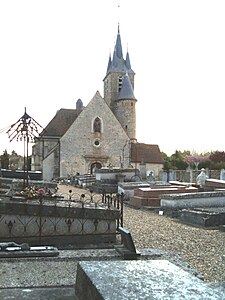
x,y
127,248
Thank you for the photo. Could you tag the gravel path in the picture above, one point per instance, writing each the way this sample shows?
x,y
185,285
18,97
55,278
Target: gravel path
x,y
202,249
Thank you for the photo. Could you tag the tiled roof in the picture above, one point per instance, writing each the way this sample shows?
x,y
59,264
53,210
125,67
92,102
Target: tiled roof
x,y
60,123
145,153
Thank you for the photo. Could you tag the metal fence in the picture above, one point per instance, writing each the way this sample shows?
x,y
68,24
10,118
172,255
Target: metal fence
x,y
67,217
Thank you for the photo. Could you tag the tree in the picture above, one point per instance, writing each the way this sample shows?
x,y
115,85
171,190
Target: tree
x,y
217,159
5,160
167,164
14,153
177,160
217,156
196,159
181,160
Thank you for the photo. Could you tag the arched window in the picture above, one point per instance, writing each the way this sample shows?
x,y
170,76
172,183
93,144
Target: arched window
x,y
97,125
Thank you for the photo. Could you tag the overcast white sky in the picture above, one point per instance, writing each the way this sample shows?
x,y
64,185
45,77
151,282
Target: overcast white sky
x,y
53,52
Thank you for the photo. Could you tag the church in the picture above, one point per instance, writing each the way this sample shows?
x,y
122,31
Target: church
x,y
101,134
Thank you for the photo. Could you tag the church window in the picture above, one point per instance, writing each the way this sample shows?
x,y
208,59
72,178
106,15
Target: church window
x,y
97,143
120,83
97,125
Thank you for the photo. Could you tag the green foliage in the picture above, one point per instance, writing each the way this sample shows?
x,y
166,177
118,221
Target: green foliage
x,y
9,161
218,166
14,153
167,164
5,160
217,156
175,161
181,160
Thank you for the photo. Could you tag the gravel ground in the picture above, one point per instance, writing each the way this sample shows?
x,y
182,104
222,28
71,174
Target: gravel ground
x,y
203,249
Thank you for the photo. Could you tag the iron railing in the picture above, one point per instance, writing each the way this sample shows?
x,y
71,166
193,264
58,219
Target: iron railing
x,y
58,215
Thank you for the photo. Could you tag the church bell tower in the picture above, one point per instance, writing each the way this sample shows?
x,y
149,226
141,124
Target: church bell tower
x,y
118,89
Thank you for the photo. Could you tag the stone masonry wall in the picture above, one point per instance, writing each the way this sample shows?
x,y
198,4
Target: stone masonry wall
x,y
78,148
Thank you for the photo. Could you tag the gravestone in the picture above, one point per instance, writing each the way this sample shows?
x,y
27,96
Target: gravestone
x,y
127,248
222,174
142,168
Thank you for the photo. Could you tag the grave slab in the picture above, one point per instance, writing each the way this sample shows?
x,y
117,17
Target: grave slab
x,y
190,200
154,279
205,217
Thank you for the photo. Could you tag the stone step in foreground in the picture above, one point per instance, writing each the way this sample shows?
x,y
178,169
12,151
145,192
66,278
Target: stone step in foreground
x,y
154,279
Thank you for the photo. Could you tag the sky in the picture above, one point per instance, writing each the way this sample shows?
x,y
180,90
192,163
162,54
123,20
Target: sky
x,y
53,52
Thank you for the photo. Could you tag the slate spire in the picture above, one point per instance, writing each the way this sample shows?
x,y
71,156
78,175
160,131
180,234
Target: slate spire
x,y
118,64
126,91
127,62
118,46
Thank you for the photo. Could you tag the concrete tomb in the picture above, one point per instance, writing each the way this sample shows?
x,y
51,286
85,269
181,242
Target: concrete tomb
x,y
206,217
190,200
127,188
139,279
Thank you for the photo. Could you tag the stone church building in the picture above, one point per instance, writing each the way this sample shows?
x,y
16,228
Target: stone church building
x,y
102,134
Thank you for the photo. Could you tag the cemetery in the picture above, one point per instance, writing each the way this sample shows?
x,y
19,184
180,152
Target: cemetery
x,y
199,204
122,227
128,225
109,254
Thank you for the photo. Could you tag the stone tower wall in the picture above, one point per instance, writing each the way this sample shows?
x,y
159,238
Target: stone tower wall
x,y
125,112
111,87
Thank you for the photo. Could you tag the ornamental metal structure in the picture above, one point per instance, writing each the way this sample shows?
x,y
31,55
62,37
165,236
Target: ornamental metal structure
x,y
26,129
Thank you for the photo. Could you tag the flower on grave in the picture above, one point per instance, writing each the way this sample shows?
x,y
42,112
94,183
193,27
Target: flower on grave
x,y
41,191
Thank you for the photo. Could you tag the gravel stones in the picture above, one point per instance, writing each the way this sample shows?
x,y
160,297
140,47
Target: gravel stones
x,y
203,250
